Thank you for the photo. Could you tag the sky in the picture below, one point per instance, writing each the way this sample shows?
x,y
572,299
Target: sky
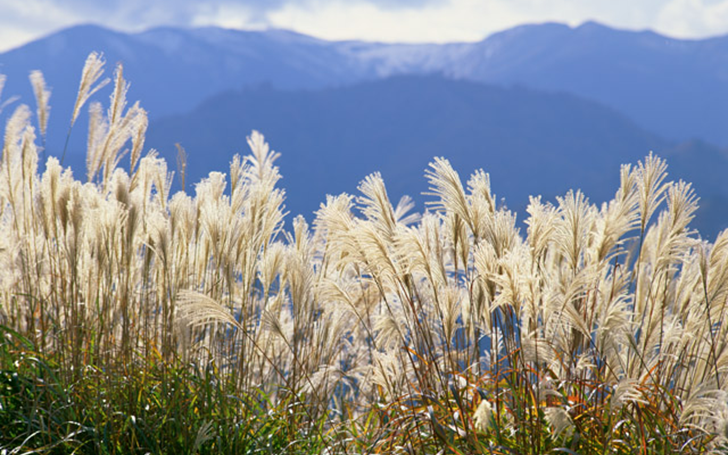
x,y
22,21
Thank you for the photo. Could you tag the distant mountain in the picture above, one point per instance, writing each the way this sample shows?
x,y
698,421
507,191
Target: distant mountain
x,y
171,70
326,106
676,88
530,142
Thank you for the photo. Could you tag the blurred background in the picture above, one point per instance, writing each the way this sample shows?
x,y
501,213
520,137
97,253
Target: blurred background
x,y
545,96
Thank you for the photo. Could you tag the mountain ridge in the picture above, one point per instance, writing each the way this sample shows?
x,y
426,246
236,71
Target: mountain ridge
x,y
677,89
531,142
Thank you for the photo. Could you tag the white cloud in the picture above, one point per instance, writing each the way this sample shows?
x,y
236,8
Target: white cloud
x,y
22,21
12,37
458,20
693,18
358,20
469,20
228,16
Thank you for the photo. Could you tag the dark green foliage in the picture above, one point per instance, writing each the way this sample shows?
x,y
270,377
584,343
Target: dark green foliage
x,y
157,408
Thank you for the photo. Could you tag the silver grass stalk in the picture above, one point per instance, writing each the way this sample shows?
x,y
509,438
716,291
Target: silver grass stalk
x,y
541,224
616,218
560,421
118,96
482,202
626,391
651,186
715,276
42,95
445,183
98,128
403,212
262,159
195,310
93,69
375,204
12,146
483,416
578,216
138,136
121,130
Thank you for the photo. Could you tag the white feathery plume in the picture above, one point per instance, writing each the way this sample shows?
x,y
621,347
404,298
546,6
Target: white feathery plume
x,y
118,96
482,201
240,191
541,223
651,186
512,280
682,203
450,310
262,160
161,179
485,262
627,390
402,213
374,204
48,195
560,421
616,218
92,71
195,309
483,415
120,132
537,349
210,189
501,232
42,94
445,183
19,121
386,371
699,405
614,327
714,273
572,237
98,128
271,265
458,239
138,135
29,156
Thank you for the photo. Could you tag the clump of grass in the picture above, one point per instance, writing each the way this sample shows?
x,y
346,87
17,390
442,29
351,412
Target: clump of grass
x,y
178,410
139,320
601,331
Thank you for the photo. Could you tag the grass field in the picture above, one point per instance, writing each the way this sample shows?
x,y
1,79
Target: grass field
x,y
138,321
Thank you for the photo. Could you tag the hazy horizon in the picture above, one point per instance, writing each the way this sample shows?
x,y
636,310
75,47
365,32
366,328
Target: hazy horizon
x,y
313,35
401,21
